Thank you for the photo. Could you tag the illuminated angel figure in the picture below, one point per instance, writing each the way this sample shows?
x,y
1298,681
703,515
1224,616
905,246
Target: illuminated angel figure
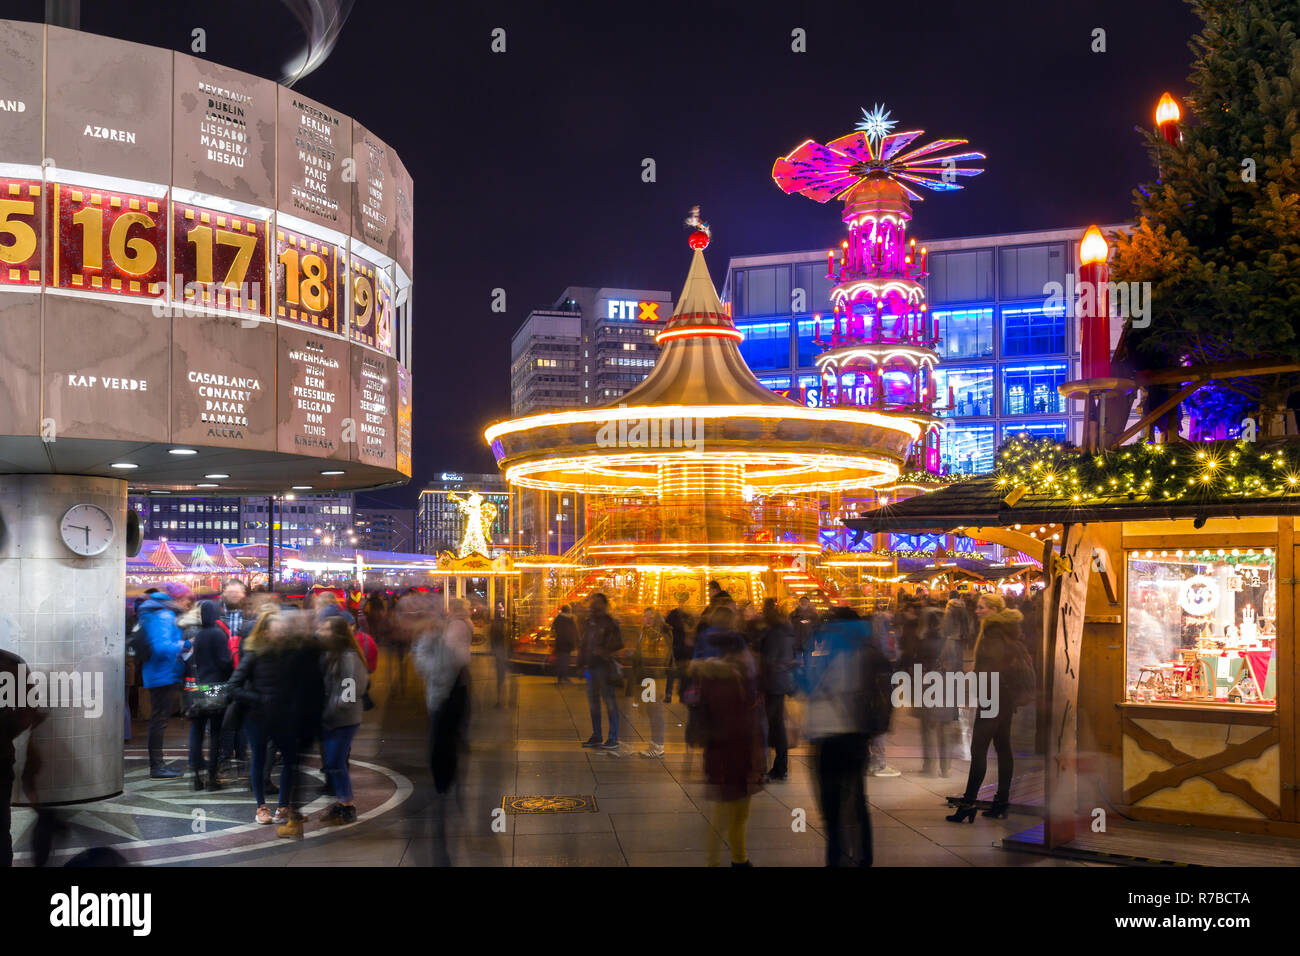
x,y
479,515
695,222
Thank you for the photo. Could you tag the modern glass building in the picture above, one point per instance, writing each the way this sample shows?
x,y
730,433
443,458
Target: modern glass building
x,y
301,520
188,518
1004,346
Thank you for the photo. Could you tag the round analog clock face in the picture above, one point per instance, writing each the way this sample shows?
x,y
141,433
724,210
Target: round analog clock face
x,y
86,529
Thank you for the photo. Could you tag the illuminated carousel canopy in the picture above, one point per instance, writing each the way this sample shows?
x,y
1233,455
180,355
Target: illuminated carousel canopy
x,y
701,406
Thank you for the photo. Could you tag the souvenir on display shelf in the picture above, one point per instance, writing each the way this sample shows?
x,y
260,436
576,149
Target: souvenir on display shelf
x,y
1194,632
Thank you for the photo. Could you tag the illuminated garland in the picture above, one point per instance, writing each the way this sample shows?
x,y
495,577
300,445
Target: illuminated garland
x,y
887,555
927,478
1172,472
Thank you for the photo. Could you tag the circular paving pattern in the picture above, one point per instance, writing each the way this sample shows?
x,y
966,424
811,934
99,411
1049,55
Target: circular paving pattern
x,y
168,821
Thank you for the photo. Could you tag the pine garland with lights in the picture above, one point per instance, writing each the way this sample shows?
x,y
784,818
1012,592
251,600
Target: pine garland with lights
x,y
1156,473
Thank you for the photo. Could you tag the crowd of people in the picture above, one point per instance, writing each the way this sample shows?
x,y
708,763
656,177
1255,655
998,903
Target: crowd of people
x,y
259,679
264,681
735,667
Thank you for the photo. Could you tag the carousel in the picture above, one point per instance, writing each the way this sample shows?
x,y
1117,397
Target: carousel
x,y
697,474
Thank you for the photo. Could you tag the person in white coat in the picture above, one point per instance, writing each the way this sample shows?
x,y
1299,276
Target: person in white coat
x,y
442,658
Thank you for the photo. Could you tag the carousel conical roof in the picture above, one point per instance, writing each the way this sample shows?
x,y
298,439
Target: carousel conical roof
x,y
700,405
700,362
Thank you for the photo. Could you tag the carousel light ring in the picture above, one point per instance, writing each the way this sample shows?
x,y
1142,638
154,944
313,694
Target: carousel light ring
x,y
1199,596
879,339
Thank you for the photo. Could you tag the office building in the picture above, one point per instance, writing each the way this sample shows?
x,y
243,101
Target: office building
x,y
303,520
185,518
384,529
588,348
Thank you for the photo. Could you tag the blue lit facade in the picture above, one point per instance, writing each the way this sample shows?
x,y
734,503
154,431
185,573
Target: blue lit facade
x,y
1003,352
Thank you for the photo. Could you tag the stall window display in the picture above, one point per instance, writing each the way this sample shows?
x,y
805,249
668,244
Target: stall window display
x,y
1202,627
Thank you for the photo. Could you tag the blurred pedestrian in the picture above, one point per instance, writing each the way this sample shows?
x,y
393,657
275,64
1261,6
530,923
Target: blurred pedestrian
x,y
346,680
841,720
778,663
937,654
212,665
652,658
601,641
15,719
995,653
883,630
442,657
728,727
564,631
164,669
500,651
805,621
680,623
251,687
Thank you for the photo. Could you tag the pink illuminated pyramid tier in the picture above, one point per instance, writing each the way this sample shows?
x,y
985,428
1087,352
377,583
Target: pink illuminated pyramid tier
x,y
878,342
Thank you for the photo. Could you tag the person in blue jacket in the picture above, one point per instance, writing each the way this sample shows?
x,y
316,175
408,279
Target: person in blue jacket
x,y
163,672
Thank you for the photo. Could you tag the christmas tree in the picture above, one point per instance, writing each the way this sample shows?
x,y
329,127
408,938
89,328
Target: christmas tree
x,y
1218,235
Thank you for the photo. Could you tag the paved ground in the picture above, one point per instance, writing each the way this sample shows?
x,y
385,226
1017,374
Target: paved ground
x,y
650,812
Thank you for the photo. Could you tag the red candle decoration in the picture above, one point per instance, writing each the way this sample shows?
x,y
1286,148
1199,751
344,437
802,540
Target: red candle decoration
x,y
1168,117
1094,323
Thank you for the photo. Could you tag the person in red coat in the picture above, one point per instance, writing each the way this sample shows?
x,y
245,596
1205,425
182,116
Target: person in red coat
x,y
728,721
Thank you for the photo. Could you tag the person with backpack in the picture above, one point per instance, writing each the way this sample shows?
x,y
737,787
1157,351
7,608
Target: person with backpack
x,y
160,646
998,650
848,706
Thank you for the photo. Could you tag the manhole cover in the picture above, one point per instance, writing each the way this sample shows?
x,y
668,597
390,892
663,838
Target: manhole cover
x,y
563,803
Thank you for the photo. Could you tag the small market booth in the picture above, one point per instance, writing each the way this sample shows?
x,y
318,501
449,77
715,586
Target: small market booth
x,y
1169,620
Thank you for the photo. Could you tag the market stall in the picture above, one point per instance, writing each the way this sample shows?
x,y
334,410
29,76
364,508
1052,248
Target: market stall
x,y
1170,623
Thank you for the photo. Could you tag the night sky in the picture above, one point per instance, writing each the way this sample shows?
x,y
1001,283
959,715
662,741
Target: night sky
x,y
527,164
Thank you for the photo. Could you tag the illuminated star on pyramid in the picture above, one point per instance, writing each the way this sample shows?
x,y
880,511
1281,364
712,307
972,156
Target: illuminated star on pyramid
x,y
877,123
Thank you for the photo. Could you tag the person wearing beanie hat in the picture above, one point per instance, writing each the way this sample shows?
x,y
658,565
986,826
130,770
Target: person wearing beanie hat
x,y
163,671
995,652
179,592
